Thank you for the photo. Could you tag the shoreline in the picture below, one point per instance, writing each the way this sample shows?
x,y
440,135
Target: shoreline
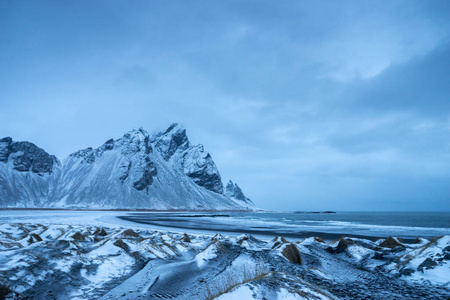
x,y
266,233
164,221
121,209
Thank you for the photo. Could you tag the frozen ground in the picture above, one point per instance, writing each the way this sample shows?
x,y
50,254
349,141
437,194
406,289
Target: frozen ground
x,y
94,255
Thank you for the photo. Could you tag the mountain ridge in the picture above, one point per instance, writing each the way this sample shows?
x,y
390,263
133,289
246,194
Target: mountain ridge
x,y
162,171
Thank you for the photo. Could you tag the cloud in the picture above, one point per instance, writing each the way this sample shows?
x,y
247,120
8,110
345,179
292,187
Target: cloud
x,y
310,104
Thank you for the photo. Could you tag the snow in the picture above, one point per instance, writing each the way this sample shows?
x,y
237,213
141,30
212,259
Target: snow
x,y
437,275
242,292
107,249
159,264
358,252
209,253
285,295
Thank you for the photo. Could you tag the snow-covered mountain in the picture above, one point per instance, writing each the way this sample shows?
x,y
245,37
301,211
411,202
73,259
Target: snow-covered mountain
x,y
139,170
233,191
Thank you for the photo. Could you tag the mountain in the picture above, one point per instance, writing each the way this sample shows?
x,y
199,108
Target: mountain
x,y
26,174
139,170
233,191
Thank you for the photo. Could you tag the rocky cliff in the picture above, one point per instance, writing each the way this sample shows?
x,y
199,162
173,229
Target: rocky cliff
x,y
139,170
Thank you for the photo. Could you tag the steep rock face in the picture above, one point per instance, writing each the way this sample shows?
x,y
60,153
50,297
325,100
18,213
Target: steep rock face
x,y
233,191
193,161
138,170
172,140
26,156
26,174
4,149
198,165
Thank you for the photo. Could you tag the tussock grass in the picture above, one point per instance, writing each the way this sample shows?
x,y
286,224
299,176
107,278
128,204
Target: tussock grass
x,y
391,242
292,254
233,277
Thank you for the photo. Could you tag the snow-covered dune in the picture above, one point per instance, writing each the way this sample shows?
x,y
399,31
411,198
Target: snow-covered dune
x,y
78,261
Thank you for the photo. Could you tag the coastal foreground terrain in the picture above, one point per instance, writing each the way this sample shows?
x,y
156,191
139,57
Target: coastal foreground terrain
x,y
58,256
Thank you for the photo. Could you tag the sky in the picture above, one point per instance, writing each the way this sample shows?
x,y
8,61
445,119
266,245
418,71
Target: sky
x,y
307,105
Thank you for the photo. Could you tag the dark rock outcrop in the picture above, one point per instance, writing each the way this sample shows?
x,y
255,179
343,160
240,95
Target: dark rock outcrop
x,y
145,175
26,156
4,148
199,165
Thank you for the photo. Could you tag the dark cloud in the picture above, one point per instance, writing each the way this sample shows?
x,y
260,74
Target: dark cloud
x,y
421,86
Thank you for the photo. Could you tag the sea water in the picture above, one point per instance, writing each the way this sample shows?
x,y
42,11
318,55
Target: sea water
x,y
328,225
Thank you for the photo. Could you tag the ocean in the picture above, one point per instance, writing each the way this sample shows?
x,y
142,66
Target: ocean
x,y
372,225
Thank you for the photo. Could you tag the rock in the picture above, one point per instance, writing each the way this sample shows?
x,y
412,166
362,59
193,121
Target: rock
x,y
86,155
4,149
144,174
291,252
124,170
26,156
173,139
108,145
199,165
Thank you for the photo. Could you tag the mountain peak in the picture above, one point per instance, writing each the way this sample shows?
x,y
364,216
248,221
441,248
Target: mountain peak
x,y
137,133
232,190
7,139
26,156
171,140
175,127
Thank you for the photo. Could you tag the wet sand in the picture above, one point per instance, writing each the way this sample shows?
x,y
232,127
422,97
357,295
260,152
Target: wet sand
x,y
206,226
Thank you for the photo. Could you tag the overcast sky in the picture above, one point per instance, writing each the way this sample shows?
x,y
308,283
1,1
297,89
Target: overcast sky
x,y
307,105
